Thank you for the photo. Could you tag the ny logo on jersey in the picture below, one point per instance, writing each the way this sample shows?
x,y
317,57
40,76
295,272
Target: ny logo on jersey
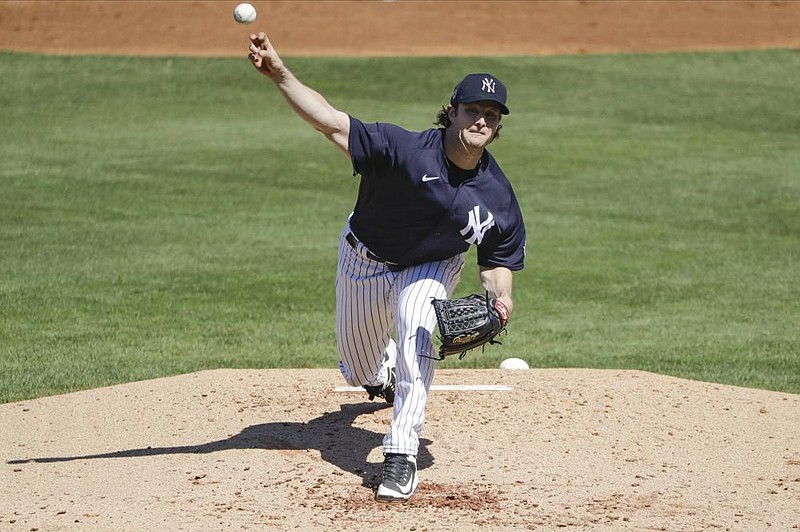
x,y
476,226
488,85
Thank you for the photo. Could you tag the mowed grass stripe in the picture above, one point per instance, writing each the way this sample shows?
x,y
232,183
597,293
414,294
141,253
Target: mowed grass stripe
x,y
165,215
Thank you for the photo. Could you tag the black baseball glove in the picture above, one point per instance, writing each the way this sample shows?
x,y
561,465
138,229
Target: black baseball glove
x,y
468,322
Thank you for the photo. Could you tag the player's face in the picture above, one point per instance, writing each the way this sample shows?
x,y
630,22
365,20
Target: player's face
x,y
477,122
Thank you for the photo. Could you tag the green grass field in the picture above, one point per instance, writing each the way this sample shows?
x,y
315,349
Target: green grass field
x,y
165,215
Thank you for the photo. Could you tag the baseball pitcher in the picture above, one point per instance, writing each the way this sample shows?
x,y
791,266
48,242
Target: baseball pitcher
x,y
424,198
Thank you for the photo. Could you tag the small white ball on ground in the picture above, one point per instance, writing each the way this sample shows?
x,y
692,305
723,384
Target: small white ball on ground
x,y
513,363
244,13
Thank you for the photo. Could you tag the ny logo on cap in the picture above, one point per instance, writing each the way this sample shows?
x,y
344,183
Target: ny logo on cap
x,y
488,85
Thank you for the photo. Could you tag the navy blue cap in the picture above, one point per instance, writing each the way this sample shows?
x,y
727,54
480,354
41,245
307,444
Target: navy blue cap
x,y
477,87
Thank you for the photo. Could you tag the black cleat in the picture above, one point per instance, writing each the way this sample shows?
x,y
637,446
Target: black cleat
x,y
399,478
385,391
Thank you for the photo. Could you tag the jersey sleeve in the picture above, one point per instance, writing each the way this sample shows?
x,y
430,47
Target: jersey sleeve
x,y
508,249
370,146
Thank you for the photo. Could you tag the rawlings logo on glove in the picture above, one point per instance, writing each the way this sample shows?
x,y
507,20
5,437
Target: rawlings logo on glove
x,y
468,322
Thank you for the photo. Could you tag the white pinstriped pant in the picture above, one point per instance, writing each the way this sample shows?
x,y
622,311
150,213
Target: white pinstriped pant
x,y
371,300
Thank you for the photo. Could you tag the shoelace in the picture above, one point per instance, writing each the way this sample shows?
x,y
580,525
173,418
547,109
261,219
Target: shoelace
x,y
396,468
389,386
381,391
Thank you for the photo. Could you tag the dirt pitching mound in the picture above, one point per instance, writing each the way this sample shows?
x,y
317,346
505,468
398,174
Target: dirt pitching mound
x,y
277,449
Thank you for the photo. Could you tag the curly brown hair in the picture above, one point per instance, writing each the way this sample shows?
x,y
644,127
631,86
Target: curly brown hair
x,y
444,121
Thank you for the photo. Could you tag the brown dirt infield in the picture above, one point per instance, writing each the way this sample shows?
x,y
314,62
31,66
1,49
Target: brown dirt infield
x,y
400,27
274,449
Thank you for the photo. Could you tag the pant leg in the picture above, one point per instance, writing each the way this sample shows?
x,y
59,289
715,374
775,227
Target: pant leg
x,y
364,316
415,323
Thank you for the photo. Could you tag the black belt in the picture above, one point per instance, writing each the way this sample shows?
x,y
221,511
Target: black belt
x,y
353,241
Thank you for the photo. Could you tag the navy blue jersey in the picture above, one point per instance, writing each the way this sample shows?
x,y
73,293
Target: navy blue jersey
x,y
414,206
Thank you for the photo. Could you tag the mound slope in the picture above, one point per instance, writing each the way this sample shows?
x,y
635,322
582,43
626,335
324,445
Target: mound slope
x,y
244,449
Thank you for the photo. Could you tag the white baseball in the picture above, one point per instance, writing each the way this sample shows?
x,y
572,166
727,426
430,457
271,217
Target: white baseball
x,y
244,13
513,363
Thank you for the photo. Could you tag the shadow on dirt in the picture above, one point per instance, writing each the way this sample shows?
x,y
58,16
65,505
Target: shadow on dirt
x,y
332,434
